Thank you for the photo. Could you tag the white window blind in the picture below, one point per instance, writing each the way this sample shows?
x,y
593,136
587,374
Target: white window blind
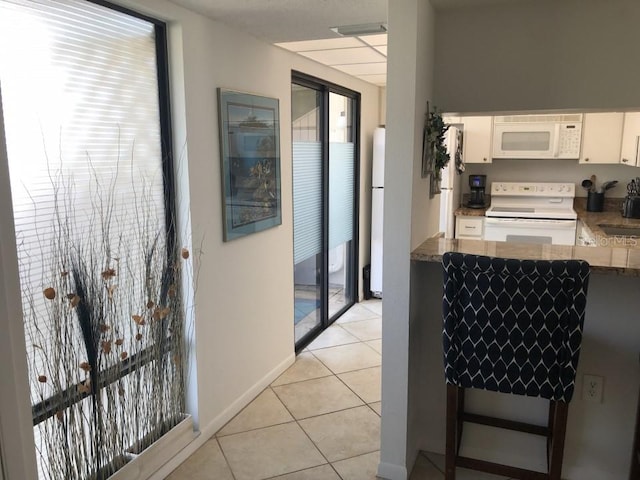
x,y
341,194
307,200
81,116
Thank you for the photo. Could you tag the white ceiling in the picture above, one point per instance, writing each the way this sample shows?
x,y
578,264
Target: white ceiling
x,y
364,57
303,26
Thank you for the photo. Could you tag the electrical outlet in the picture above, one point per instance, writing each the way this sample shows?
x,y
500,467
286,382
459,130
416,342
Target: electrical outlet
x,y
592,388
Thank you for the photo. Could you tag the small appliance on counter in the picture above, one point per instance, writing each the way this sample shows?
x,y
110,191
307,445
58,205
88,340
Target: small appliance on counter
x,y
477,184
631,204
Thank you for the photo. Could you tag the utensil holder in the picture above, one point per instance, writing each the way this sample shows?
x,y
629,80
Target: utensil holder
x,y
595,201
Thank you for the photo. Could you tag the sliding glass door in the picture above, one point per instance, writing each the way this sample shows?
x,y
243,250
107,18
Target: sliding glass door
x,y
325,179
342,194
307,209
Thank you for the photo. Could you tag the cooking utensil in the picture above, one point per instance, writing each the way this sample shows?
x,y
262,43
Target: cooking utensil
x,y
607,185
593,183
586,184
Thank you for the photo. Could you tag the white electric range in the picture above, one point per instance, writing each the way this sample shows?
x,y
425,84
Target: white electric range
x,y
531,212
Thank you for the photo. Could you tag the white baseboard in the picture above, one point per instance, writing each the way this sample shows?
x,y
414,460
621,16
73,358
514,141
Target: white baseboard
x,y
218,422
391,471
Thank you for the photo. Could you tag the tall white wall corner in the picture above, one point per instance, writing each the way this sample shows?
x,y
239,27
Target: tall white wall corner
x,y
390,471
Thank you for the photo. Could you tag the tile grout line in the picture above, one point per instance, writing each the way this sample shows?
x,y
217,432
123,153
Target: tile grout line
x,y
303,431
353,391
332,373
320,415
225,457
348,371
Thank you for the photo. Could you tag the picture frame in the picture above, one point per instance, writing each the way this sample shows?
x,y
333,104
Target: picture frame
x,y
250,162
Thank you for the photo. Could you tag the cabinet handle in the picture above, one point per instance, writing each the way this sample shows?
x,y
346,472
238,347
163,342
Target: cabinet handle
x,y
484,159
586,159
625,160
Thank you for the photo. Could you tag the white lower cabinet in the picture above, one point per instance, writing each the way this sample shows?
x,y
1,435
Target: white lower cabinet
x,y
584,237
470,228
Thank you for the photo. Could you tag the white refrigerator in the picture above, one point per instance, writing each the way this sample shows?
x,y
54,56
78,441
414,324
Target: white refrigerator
x,y
451,188
377,206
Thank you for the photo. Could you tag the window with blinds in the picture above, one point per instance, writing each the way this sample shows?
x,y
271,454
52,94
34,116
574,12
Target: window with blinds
x,y
84,95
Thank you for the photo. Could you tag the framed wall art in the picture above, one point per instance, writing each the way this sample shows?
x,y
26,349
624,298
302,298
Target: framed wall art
x,y
250,159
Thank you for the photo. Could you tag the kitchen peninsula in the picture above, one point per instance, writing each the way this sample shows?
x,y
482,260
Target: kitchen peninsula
x,y
599,434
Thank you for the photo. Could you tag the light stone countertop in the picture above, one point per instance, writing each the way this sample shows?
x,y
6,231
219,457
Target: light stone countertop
x,y
616,261
611,216
612,255
470,212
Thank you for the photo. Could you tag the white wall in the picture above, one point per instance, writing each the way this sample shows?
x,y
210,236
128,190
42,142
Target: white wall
x,y
244,300
528,55
533,54
16,432
405,224
552,171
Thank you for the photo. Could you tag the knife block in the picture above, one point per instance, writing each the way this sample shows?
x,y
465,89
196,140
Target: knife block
x,y
631,207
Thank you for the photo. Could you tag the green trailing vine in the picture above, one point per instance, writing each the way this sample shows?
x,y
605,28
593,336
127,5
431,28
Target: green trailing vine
x,y
434,152
436,130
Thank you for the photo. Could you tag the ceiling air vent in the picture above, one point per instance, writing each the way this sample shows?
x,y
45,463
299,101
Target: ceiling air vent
x,y
361,29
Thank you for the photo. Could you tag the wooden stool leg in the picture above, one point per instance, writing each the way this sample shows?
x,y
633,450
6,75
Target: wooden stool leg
x,y
634,474
557,441
450,447
459,420
550,421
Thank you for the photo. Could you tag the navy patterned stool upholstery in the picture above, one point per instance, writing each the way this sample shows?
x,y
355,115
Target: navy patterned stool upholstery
x,y
511,326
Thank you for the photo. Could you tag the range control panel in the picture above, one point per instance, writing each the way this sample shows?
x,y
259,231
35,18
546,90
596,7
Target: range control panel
x,y
528,189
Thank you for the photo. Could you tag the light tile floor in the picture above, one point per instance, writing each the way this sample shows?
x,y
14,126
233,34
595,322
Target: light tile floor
x,y
320,420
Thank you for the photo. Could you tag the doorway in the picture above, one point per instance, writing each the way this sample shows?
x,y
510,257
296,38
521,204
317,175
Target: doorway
x,y
325,132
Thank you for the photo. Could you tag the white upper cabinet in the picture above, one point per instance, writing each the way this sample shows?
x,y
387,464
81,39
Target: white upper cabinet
x,y
630,137
601,137
477,139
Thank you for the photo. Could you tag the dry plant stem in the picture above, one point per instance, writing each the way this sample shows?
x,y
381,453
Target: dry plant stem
x,y
114,358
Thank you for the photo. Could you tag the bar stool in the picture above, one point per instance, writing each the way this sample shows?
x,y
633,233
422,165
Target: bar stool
x,y
511,326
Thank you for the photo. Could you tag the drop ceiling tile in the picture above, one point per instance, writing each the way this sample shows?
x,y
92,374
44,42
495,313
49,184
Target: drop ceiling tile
x,y
375,79
345,56
325,44
382,50
364,68
375,40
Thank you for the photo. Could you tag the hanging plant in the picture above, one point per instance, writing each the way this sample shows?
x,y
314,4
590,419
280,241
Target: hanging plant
x,y
434,152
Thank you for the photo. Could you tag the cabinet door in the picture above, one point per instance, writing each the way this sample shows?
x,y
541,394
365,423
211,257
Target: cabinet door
x,y
469,227
630,136
477,139
601,137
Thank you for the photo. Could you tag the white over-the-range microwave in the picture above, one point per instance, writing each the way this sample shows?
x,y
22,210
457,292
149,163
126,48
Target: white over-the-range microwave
x,y
537,136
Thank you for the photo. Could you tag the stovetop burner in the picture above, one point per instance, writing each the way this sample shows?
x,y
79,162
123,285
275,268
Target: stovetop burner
x,y
514,209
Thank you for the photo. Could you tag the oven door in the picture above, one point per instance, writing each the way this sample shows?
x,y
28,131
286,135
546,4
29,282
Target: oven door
x,y
530,230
